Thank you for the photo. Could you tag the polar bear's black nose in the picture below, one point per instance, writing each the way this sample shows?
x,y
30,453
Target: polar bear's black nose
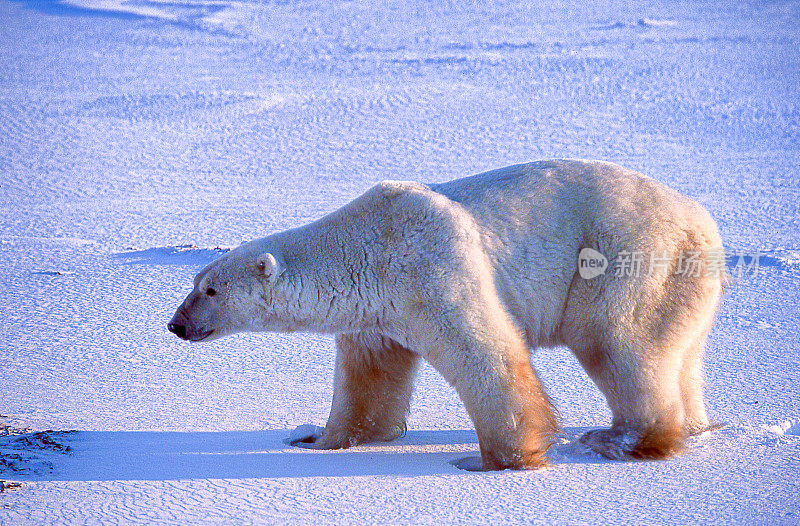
x,y
179,330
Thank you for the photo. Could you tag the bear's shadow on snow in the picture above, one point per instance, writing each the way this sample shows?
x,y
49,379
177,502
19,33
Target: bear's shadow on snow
x,y
58,8
177,255
186,16
154,456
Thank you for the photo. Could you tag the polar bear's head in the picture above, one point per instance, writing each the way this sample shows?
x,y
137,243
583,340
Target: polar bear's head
x,y
240,291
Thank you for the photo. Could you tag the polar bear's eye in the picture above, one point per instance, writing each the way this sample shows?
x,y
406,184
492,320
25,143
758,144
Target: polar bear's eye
x,y
210,291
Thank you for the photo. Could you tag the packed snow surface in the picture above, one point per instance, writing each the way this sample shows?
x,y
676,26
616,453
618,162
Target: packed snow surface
x,y
141,139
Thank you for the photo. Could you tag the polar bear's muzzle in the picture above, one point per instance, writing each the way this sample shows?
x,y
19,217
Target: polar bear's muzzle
x,y
178,330
182,327
183,333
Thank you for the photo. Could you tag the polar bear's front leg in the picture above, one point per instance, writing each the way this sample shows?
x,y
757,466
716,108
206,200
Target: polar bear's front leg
x,y
372,392
513,416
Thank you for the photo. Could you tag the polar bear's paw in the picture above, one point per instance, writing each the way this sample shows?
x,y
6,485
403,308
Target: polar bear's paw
x,y
310,436
477,464
613,444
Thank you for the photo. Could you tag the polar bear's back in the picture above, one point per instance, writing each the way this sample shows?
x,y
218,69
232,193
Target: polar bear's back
x,y
536,217
578,202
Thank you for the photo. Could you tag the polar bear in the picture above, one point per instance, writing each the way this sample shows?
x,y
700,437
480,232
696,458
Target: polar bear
x,y
472,275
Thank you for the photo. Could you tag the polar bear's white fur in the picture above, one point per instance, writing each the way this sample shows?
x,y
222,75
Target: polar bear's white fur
x,y
473,274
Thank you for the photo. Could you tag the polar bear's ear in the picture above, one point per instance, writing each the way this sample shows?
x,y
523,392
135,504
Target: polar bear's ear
x,y
268,266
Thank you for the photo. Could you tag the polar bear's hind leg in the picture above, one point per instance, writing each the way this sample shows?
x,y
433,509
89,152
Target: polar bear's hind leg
x,y
644,395
642,343
692,388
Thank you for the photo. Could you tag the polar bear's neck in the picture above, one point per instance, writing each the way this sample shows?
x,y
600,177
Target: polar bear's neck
x,y
330,279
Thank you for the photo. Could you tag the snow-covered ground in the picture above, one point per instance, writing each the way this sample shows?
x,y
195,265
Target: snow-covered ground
x,y
133,132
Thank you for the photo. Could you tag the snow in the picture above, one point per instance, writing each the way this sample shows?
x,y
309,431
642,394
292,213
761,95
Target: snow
x,y
141,139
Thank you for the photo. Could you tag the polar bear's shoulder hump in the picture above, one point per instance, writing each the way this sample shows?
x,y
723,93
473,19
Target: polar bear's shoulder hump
x,y
404,195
